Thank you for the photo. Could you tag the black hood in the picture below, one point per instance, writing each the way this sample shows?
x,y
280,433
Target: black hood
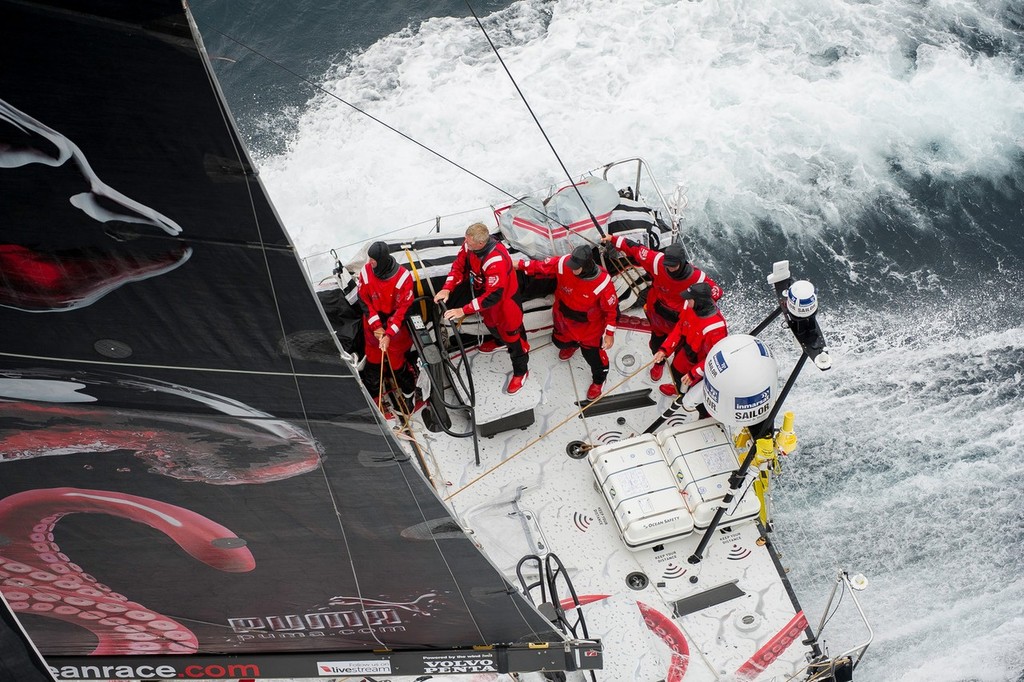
x,y
386,266
583,258
675,255
703,301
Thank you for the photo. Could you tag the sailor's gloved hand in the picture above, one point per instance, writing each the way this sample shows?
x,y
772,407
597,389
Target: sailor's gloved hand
x,y
660,356
441,296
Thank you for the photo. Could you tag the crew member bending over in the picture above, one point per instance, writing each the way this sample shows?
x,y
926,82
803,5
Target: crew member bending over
x,y
494,288
671,274
700,327
586,309
385,294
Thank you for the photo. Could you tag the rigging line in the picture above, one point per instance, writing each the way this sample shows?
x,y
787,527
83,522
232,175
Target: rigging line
x,y
549,431
186,368
535,119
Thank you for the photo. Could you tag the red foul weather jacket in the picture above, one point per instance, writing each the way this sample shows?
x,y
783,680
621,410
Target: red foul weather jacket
x,y
386,301
664,304
691,339
585,309
494,286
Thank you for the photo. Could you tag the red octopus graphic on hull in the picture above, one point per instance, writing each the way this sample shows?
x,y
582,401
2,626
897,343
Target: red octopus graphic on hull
x,y
37,578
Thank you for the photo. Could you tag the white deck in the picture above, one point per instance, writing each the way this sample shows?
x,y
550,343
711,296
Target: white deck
x,y
753,635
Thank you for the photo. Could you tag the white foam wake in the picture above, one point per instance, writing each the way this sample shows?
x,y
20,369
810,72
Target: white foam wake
x,y
795,113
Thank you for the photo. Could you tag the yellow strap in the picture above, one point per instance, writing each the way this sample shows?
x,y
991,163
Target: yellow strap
x,y
419,284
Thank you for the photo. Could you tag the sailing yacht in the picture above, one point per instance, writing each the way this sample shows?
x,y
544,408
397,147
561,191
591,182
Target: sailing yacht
x,y
196,484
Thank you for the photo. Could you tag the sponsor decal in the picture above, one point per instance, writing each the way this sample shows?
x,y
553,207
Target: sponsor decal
x,y
751,401
215,671
343,616
324,668
763,349
492,281
711,394
717,364
750,407
460,663
661,522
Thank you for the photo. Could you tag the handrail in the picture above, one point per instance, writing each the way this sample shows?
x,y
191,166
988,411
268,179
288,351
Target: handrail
x,y
642,166
433,224
844,578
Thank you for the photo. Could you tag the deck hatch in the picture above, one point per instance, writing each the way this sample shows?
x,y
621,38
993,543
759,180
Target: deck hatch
x,y
706,599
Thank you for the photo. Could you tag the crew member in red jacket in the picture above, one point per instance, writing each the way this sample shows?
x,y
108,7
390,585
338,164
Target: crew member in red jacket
x,y
385,294
700,327
671,274
586,309
495,296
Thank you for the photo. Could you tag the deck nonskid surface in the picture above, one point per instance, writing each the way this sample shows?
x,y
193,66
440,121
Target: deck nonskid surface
x,y
528,496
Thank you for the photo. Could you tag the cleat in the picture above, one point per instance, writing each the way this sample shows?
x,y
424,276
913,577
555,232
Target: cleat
x,y
668,389
488,346
657,371
516,383
594,392
566,353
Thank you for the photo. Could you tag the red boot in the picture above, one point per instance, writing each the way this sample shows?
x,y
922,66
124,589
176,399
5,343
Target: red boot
x,y
594,392
516,383
668,389
657,370
566,353
488,346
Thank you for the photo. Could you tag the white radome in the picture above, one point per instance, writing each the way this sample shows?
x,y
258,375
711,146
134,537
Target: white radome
x,y
801,299
741,380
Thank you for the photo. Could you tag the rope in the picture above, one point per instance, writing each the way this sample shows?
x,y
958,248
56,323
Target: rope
x,y
549,431
380,387
403,407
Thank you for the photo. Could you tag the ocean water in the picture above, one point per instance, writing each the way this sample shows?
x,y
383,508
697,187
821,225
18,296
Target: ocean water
x,y
878,145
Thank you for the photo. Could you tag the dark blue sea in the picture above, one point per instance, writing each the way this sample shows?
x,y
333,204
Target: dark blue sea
x,y
878,145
